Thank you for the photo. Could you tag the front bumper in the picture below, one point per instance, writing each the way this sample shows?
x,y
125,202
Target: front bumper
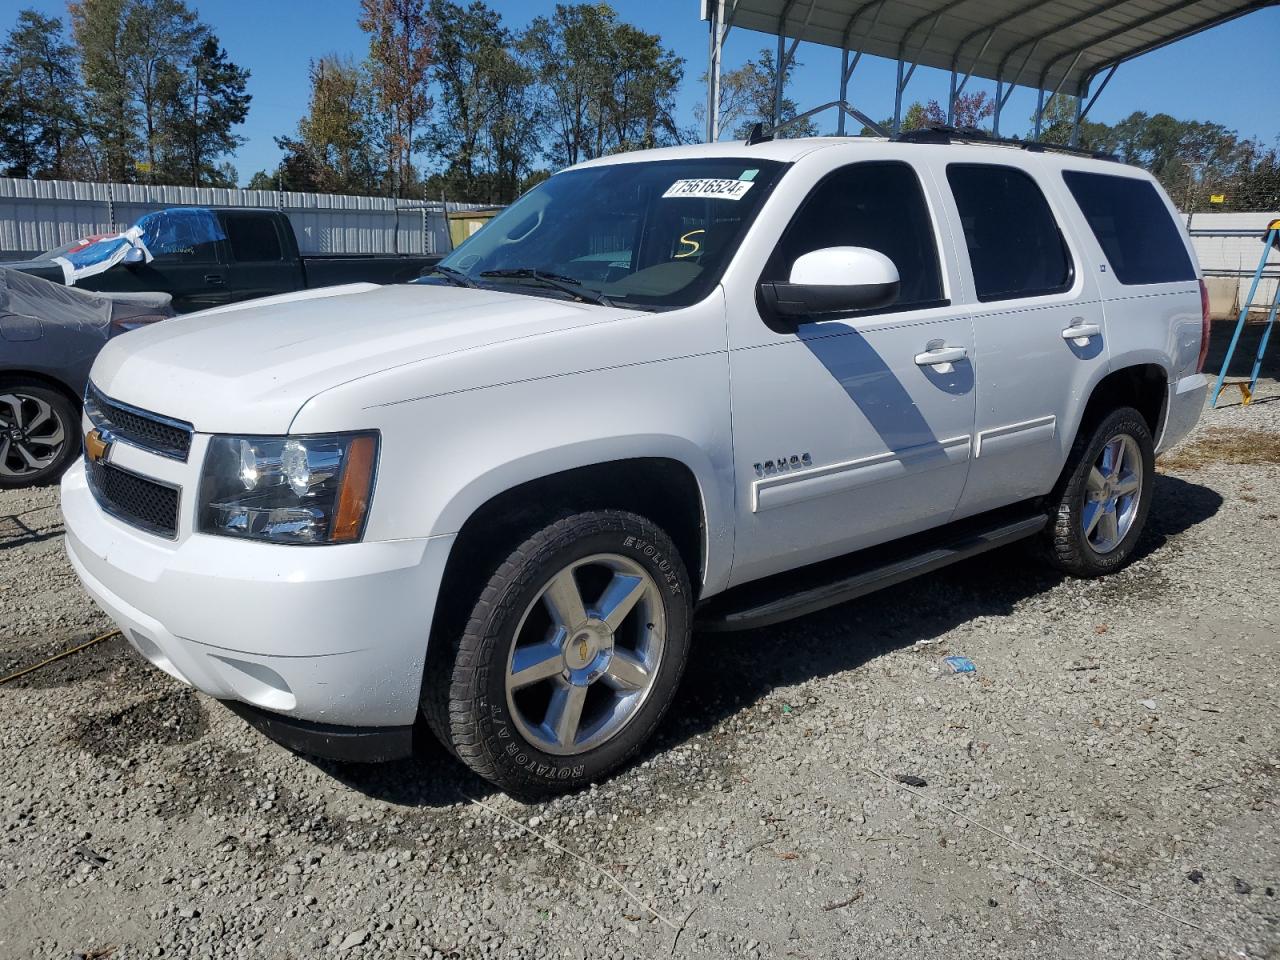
x,y
357,744
330,635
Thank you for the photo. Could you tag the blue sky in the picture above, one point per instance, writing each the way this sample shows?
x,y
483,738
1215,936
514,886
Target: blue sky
x,y
1227,74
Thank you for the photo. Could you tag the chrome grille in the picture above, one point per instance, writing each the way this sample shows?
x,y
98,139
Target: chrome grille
x,y
147,504
150,431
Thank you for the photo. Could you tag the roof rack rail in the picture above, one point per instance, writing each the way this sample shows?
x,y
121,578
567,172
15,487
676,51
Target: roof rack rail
x,y
941,133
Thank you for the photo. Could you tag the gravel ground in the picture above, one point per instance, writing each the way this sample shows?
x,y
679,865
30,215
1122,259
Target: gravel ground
x,y
1105,785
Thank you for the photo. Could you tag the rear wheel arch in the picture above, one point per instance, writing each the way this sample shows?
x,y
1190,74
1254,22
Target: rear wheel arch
x,y
1143,386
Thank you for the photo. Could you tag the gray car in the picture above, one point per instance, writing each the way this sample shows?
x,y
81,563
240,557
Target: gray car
x,y
49,337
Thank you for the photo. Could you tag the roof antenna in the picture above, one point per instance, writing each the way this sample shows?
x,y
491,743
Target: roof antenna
x,y
757,135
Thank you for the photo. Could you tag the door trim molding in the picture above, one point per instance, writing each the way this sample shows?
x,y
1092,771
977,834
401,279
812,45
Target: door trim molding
x,y
783,490
1012,435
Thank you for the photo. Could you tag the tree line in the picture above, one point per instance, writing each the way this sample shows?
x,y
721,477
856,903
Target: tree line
x,y
450,101
160,98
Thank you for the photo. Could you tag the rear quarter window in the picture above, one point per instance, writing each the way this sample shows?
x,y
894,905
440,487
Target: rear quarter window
x,y
1133,226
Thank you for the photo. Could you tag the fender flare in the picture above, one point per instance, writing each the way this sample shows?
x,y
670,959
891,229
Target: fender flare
x,y
717,510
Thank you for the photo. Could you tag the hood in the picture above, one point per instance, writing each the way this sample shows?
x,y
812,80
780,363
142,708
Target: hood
x,y
249,368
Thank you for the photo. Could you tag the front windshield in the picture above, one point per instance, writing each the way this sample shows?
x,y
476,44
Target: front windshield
x,y
653,235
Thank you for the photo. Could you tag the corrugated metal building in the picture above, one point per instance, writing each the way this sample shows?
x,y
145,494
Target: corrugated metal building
x,y
38,215
1229,262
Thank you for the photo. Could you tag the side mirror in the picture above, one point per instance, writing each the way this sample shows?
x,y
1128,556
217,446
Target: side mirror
x,y
132,256
833,281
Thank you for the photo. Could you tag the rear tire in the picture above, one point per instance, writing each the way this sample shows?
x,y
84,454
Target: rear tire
x,y
39,433
570,657
1099,507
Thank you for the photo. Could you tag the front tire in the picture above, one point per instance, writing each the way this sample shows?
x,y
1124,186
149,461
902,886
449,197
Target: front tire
x,y
1100,505
39,433
570,657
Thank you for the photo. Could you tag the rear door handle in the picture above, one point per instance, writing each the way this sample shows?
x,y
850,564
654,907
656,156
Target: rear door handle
x,y
216,279
940,355
1081,331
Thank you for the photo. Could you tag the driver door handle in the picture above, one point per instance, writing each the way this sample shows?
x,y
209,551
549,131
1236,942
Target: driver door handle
x,y
941,355
215,279
1081,331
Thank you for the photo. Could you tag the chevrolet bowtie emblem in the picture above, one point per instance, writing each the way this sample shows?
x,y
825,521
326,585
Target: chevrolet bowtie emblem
x,y
96,446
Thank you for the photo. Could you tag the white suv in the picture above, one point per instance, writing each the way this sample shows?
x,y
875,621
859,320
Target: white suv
x,y
712,386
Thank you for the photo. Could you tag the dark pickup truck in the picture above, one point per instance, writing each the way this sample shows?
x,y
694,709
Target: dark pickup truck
x,y
206,256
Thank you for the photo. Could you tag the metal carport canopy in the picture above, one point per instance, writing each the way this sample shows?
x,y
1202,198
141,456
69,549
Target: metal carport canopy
x,y
1050,45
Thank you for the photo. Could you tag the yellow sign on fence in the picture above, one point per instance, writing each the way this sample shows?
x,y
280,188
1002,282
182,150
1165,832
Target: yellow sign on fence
x,y
1217,197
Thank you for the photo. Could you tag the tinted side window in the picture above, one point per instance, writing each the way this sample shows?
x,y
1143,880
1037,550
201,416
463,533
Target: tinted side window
x,y
1015,246
1133,227
875,205
253,239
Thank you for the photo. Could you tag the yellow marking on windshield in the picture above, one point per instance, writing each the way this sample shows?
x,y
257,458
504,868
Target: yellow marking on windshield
x,y
693,245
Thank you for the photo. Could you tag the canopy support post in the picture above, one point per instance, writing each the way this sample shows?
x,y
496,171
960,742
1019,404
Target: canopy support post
x,y
1082,108
956,91
719,30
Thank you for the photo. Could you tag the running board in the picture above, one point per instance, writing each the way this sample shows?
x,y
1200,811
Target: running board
x,y
804,591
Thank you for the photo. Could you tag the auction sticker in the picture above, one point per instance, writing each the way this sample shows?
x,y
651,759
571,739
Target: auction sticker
x,y
712,189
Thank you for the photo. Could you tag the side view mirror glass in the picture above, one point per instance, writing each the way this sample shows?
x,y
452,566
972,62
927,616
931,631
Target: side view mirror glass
x,y
133,255
834,280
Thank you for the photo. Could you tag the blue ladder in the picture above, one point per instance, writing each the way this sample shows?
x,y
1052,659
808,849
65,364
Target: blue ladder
x,y
1272,239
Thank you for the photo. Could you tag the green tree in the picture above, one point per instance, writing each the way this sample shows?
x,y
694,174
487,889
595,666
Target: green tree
x,y
639,109
261,181
469,42
486,134
336,147
41,127
163,96
512,130
98,28
605,86
202,107
158,37
1059,118
569,52
401,48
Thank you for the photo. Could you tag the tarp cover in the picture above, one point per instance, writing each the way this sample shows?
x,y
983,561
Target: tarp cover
x,y
175,230
26,302
46,326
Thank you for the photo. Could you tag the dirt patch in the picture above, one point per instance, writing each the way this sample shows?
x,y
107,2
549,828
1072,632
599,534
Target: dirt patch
x,y
98,661
173,718
1226,445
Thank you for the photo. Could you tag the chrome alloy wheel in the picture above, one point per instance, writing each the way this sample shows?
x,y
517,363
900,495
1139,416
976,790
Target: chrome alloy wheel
x,y
32,435
1112,493
580,670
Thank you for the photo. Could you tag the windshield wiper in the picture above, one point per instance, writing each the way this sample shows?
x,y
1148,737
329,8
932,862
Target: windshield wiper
x,y
456,277
564,284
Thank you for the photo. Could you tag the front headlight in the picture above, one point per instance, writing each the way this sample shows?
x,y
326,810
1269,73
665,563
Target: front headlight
x,y
288,489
